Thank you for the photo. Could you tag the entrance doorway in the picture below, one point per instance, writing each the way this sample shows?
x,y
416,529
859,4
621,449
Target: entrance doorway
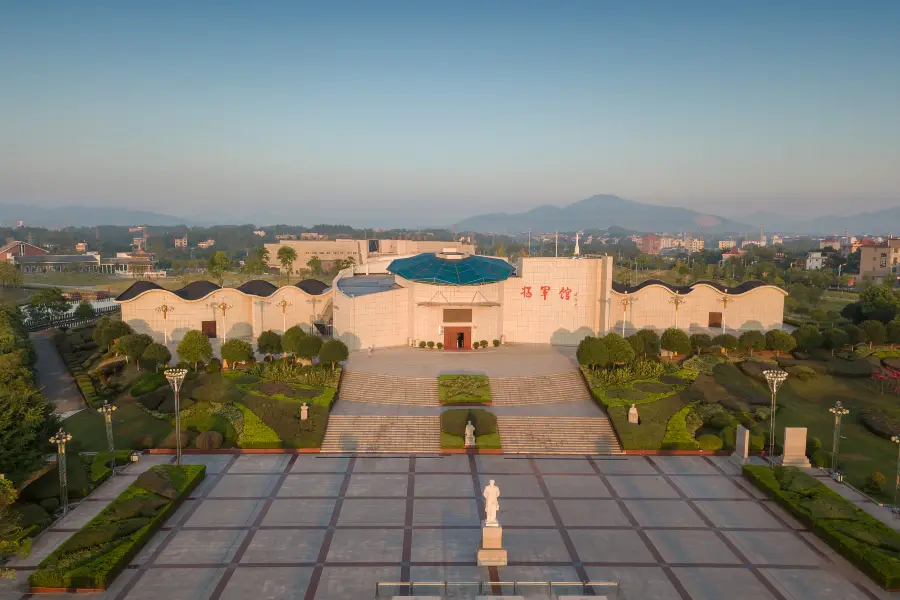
x,y
457,338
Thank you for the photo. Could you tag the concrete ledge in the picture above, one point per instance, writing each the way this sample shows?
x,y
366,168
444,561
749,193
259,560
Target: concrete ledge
x,y
235,451
52,590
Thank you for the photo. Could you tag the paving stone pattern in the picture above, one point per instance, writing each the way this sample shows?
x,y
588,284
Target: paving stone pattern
x,y
313,527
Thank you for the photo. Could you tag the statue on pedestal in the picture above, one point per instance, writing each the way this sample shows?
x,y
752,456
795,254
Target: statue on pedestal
x,y
491,504
470,434
304,411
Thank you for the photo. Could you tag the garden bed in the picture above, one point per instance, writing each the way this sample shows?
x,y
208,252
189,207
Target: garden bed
x,y
464,389
453,429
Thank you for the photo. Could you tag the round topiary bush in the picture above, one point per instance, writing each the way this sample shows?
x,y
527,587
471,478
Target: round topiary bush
x,y
209,440
440,345
721,421
813,445
422,344
710,442
757,442
50,504
484,343
143,441
496,343
430,344
728,436
214,366
822,459
169,442
802,372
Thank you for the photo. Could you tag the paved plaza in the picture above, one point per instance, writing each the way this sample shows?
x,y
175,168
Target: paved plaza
x,y
316,526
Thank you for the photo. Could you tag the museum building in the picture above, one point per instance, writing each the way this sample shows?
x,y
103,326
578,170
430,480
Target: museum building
x,y
454,298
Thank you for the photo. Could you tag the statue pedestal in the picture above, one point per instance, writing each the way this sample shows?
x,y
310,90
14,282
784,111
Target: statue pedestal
x,y
491,553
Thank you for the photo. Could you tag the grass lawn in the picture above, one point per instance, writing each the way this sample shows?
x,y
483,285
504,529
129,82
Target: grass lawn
x,y
834,300
129,422
464,389
649,434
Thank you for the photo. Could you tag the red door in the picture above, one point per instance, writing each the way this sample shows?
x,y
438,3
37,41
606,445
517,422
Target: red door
x,y
457,338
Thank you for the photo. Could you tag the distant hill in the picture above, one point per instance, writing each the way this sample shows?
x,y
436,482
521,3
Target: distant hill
x,y
601,212
82,216
876,223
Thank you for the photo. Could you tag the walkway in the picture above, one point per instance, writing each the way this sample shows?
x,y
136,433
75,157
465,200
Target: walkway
x,y
53,376
882,513
567,409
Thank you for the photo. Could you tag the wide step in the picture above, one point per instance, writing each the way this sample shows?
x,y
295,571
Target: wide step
x,y
359,386
557,435
540,389
382,434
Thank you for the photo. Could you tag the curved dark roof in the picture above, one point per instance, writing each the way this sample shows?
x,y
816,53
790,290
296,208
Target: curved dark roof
x,y
196,290
313,287
257,287
687,289
136,289
470,270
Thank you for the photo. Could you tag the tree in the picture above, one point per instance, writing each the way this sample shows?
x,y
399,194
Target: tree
x,y
620,351
726,341
309,347
237,351
879,302
218,265
892,331
48,303
27,421
132,346
779,341
592,352
84,310
10,276
286,256
333,352
268,343
157,354
835,338
650,342
194,348
752,340
700,342
290,341
315,265
12,540
257,261
808,337
855,334
875,331
108,330
675,341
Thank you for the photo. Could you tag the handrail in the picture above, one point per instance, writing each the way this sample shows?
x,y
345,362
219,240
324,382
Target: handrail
x,y
481,586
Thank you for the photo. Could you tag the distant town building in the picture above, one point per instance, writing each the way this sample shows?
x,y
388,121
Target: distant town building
x,y
81,247
139,243
207,244
777,240
181,242
260,232
16,248
878,262
285,236
651,244
748,243
732,254
694,244
360,251
727,244
666,242
814,261
849,245
312,235
830,242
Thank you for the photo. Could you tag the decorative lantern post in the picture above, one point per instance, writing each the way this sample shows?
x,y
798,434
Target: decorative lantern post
x,y
107,410
896,440
775,377
223,306
164,310
725,300
175,378
677,300
61,438
626,302
283,305
838,411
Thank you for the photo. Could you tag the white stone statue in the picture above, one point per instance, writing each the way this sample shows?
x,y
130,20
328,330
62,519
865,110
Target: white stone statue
x,y
633,415
491,504
304,411
470,434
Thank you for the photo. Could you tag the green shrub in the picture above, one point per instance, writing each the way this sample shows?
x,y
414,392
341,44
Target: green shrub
x,y
136,508
813,445
802,372
721,421
29,515
728,436
703,363
875,482
430,344
497,345
152,400
883,422
709,442
453,422
440,345
147,382
677,435
209,440
484,344
100,464
47,485
170,440
214,366
423,344
757,443
453,389
51,505
143,441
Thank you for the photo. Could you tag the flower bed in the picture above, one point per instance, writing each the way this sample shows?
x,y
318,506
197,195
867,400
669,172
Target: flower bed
x,y
100,550
464,389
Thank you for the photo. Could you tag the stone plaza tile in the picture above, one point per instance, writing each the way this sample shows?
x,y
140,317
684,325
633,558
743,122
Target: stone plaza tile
x,y
643,486
381,464
729,513
726,464
311,484
79,516
513,486
284,546
215,463
145,461
677,546
806,584
445,545
773,548
704,583
747,486
443,511
320,463
312,511
522,574
113,487
578,513
377,484
201,547
45,543
684,465
782,515
222,513
260,463
208,483
366,545
664,513
522,512
631,465
564,465
576,486
535,545
176,584
451,463
267,583
611,546
636,583
708,486
244,486
487,463
353,582
444,485
379,511
463,575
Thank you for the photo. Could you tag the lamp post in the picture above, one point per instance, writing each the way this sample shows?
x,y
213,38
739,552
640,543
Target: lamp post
x,y
896,440
625,302
61,438
775,377
838,411
164,310
283,305
724,300
107,410
175,378
223,306
677,300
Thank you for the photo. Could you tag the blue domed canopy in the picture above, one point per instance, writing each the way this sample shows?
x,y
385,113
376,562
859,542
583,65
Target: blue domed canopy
x,y
451,268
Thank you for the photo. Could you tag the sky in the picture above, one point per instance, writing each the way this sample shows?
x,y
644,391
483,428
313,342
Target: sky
x,y
429,112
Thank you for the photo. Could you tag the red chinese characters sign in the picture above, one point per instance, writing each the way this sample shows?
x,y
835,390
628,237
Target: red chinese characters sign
x,y
565,293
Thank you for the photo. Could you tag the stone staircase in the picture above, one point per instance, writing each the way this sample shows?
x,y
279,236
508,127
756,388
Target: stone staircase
x,y
382,434
557,435
359,386
540,389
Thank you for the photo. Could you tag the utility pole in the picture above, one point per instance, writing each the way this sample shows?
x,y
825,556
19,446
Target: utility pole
x,y
556,251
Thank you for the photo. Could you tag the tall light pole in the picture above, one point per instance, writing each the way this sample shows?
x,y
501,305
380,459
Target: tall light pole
x,y
896,440
838,411
724,300
625,302
175,378
775,377
223,306
283,305
107,410
61,438
677,300
164,310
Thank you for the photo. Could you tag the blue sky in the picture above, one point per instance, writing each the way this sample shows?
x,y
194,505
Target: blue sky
x,y
431,111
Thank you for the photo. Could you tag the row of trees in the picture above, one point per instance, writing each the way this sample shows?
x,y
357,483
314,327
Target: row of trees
x,y
257,263
871,332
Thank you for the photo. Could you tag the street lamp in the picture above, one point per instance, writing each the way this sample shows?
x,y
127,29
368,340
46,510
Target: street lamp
x,y
838,411
896,440
61,438
724,300
283,305
164,310
677,300
626,302
107,410
175,378
775,377
223,306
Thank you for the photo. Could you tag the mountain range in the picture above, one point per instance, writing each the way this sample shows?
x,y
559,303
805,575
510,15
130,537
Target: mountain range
x,y
82,216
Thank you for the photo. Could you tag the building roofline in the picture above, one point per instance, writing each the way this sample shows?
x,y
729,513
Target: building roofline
x,y
743,288
195,293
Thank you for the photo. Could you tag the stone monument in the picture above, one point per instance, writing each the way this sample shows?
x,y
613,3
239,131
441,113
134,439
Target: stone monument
x,y
470,435
741,446
491,553
633,415
304,411
794,448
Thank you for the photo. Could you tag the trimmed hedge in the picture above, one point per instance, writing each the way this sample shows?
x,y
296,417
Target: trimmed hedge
x,y
453,428
677,435
94,555
854,534
147,383
275,424
464,389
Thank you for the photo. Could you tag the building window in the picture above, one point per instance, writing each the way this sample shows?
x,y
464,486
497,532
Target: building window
x,y
715,319
883,260
208,328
